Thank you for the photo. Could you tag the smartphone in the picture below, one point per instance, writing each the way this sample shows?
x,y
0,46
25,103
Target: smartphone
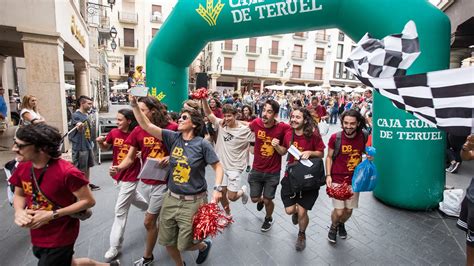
x,y
139,91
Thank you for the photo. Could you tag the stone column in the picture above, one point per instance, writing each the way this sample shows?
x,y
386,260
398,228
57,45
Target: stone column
x,y
262,85
81,76
44,58
214,78
239,84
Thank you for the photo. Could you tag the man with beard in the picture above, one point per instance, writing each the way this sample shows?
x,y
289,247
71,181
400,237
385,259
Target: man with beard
x,y
232,143
265,174
340,169
317,110
308,141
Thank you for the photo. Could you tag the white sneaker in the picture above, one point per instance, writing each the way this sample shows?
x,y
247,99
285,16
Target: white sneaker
x,y
245,195
111,253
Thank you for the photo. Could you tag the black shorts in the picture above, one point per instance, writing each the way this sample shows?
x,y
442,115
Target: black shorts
x,y
305,199
466,220
54,256
263,183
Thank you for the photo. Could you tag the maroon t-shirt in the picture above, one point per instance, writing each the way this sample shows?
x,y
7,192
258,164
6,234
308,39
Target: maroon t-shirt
x,y
302,143
117,138
218,112
150,147
60,180
266,158
350,155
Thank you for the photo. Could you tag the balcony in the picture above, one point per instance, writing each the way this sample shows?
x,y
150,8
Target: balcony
x,y
253,50
127,44
156,17
104,27
300,35
244,71
297,55
320,37
302,75
229,48
128,17
275,53
319,57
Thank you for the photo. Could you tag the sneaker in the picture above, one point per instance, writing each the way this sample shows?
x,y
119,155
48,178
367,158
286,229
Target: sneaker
x,y
294,218
455,167
202,256
94,187
450,168
342,231
248,169
300,242
144,261
332,234
111,253
245,195
114,263
267,224
259,205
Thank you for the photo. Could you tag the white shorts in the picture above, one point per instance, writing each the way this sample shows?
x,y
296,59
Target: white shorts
x,y
352,203
232,180
154,194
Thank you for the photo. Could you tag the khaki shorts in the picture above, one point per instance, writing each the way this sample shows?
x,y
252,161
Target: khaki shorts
x,y
154,194
352,203
176,221
232,180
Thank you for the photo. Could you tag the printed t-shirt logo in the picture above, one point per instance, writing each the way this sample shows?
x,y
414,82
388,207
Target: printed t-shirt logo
x,y
354,156
266,150
122,153
211,12
228,137
39,202
182,170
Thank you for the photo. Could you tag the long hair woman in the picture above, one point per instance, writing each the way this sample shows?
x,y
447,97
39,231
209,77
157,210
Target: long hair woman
x,y
29,111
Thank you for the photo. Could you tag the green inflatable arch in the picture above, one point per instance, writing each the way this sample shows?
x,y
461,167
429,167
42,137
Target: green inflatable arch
x,y
411,168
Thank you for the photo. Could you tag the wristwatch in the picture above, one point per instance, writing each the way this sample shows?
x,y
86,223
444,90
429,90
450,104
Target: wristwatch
x,y
55,214
218,188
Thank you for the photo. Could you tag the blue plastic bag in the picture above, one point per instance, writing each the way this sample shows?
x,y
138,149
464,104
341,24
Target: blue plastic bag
x,y
365,174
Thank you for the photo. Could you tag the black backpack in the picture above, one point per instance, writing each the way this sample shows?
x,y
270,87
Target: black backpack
x,y
338,143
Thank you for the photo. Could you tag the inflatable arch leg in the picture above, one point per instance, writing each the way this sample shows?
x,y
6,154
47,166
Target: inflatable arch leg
x,y
411,168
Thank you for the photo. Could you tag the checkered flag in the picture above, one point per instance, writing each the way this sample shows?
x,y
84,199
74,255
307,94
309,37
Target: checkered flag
x,y
389,57
443,99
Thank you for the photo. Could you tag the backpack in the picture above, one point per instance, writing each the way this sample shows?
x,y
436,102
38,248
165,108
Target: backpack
x,y
338,143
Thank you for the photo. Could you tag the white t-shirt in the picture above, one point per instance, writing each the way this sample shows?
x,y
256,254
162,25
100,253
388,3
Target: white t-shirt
x,y
232,144
34,115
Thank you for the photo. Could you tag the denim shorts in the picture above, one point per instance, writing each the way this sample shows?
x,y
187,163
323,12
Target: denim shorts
x,y
263,183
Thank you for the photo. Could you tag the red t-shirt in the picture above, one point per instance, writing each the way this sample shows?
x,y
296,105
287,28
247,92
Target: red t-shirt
x,y
150,147
218,112
117,138
315,143
266,158
350,155
60,180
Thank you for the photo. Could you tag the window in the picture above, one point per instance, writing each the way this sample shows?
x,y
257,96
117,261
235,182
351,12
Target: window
x,y
340,49
338,68
273,67
129,63
300,34
319,54
154,31
274,50
227,63
341,36
296,73
156,9
228,45
251,66
128,37
318,73
298,51
252,45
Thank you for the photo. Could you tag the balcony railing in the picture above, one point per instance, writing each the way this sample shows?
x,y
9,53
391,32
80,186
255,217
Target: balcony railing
x,y
253,50
302,75
156,17
128,17
229,48
300,35
275,52
128,44
244,71
318,57
318,76
320,37
297,55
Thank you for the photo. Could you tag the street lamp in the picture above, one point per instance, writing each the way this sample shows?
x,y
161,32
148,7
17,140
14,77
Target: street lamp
x,y
94,8
113,34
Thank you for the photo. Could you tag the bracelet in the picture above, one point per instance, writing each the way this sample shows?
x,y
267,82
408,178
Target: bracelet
x,y
328,175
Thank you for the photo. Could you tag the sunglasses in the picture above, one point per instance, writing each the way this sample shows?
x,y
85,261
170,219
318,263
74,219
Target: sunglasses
x,y
21,146
184,117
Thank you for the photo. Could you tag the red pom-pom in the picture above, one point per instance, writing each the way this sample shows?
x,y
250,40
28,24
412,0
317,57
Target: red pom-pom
x,y
340,192
200,93
209,220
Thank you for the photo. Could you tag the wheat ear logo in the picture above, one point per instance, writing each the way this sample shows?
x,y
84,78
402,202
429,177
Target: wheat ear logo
x,y
211,12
